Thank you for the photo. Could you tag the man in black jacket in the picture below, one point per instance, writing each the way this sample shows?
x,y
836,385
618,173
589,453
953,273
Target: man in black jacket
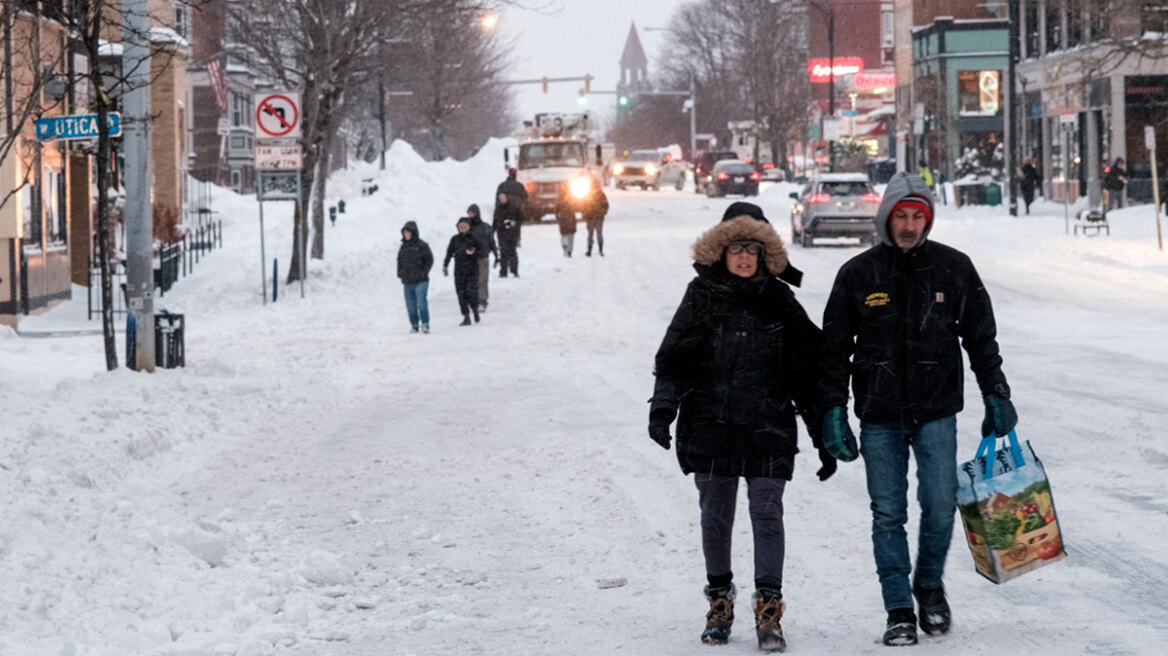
x,y
514,190
738,363
463,249
414,261
507,223
895,323
485,245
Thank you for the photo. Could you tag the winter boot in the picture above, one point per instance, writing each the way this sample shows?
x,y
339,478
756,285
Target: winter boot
x,y
476,314
600,246
588,253
768,610
413,329
934,610
901,629
426,328
721,614
465,320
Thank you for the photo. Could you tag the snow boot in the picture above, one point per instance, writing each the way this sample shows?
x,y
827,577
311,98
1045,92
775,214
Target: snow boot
x,y
768,610
721,614
465,320
901,629
588,253
934,610
476,314
413,329
426,328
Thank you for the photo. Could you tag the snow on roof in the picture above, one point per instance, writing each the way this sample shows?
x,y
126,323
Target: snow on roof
x,y
108,49
166,35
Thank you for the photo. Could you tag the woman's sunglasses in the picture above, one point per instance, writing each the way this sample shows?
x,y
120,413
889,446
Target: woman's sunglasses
x,y
752,247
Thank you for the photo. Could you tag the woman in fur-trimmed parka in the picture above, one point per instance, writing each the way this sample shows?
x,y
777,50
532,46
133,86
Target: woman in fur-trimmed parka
x,y
739,361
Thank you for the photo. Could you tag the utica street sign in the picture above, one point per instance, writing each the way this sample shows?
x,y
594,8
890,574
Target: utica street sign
x,y
82,126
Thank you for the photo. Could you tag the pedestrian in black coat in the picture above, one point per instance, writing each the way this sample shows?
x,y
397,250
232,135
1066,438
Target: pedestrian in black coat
x,y
1029,179
485,246
514,190
594,218
508,222
1114,182
740,360
463,249
414,261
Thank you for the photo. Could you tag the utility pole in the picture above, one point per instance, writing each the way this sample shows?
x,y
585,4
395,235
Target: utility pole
x,y
381,115
139,218
1013,148
693,118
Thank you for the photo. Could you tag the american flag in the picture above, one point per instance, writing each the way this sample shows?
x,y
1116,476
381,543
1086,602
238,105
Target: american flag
x,y
218,81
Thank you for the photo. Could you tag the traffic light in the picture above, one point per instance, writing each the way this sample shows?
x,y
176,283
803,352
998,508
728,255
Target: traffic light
x,y
623,101
582,98
545,84
587,84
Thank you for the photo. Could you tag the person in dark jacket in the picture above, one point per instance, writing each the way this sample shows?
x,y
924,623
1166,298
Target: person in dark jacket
x,y
463,249
594,218
484,246
508,221
1114,182
1029,180
414,261
566,220
738,362
514,190
895,323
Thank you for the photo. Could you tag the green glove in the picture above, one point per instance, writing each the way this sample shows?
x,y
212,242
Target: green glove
x,y
838,439
1000,416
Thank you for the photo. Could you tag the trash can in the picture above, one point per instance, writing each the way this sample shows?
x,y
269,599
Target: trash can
x,y
993,194
169,340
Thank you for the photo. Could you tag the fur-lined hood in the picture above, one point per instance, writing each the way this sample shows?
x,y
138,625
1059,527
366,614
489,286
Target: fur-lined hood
x,y
710,247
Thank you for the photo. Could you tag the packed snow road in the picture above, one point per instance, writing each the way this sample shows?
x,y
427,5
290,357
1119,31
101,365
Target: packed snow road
x,y
318,481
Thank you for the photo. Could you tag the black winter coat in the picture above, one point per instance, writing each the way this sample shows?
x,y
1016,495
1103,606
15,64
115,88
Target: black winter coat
x,y
516,192
895,325
483,233
466,265
414,259
739,360
508,221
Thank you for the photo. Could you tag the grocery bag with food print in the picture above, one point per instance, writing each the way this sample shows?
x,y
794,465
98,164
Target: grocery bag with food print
x,y
1004,499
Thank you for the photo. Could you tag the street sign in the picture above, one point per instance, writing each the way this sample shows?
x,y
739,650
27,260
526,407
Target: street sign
x,y
83,126
224,127
847,112
279,186
277,158
1150,137
831,129
277,115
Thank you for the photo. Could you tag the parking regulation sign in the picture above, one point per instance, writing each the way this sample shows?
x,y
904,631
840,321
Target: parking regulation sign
x,y
277,115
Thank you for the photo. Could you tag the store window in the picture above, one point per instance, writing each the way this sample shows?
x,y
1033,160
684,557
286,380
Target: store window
x,y
978,93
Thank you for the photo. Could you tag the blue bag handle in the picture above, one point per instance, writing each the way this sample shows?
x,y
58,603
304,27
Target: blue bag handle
x,y
988,447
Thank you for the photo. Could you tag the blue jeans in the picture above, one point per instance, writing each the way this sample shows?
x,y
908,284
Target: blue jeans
x,y
416,303
885,450
717,496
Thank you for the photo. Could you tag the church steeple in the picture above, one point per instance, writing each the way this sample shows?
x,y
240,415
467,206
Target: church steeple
x,y
634,64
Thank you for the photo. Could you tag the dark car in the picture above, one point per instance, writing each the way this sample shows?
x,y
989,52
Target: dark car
x,y
835,205
704,164
731,176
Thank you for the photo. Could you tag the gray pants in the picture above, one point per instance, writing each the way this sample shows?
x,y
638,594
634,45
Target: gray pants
x,y
717,496
484,276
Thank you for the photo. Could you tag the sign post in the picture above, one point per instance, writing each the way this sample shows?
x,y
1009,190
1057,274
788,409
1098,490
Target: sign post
x,y
278,158
1067,122
1150,142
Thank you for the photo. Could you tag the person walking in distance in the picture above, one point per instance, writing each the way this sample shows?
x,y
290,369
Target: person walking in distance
x,y
594,218
566,221
1029,180
1114,182
894,326
515,191
484,246
414,261
508,222
740,359
463,249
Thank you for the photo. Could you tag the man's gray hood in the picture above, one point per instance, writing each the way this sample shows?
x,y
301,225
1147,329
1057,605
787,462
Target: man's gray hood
x,y
901,186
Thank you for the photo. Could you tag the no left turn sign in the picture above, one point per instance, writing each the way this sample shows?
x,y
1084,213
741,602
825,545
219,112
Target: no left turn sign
x,y
277,115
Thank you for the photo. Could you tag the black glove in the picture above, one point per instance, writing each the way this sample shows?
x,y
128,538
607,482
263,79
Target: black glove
x,y
1000,416
838,439
659,421
496,263
445,271
828,465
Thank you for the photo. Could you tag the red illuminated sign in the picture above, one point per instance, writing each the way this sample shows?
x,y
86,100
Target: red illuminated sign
x,y
820,69
867,81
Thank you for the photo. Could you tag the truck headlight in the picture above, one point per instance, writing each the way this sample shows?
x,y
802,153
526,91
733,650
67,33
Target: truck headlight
x,y
580,187
617,169
650,169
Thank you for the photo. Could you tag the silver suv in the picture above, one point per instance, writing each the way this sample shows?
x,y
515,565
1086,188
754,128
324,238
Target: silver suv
x,y
649,169
835,205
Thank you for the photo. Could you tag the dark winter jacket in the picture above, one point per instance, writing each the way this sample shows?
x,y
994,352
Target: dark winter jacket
x,y
463,249
483,233
1030,179
516,192
739,360
895,324
597,206
414,259
1116,178
507,222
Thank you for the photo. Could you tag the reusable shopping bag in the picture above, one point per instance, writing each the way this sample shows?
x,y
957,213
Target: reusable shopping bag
x,y
1004,499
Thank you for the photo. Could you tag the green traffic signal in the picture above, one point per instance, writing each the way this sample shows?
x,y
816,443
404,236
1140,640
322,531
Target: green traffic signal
x,y
623,101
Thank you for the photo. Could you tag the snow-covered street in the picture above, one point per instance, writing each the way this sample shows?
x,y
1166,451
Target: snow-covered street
x,y
319,481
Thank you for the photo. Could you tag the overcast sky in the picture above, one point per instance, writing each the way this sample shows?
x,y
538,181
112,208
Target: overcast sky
x,y
579,37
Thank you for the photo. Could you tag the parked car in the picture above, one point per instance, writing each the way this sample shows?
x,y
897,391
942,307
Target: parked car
x,y
731,176
649,169
772,173
835,205
704,164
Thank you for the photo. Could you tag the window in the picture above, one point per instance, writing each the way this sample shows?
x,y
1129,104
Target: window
x,y
978,93
1074,22
236,179
32,219
237,110
1030,13
180,19
238,142
1054,27
1100,19
54,204
1154,18
886,33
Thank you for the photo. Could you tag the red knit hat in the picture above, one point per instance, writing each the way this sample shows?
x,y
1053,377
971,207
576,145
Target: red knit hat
x,y
915,203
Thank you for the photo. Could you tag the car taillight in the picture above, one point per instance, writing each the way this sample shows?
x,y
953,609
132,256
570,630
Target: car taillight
x,y
722,176
754,176
818,198
530,186
871,198
768,165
